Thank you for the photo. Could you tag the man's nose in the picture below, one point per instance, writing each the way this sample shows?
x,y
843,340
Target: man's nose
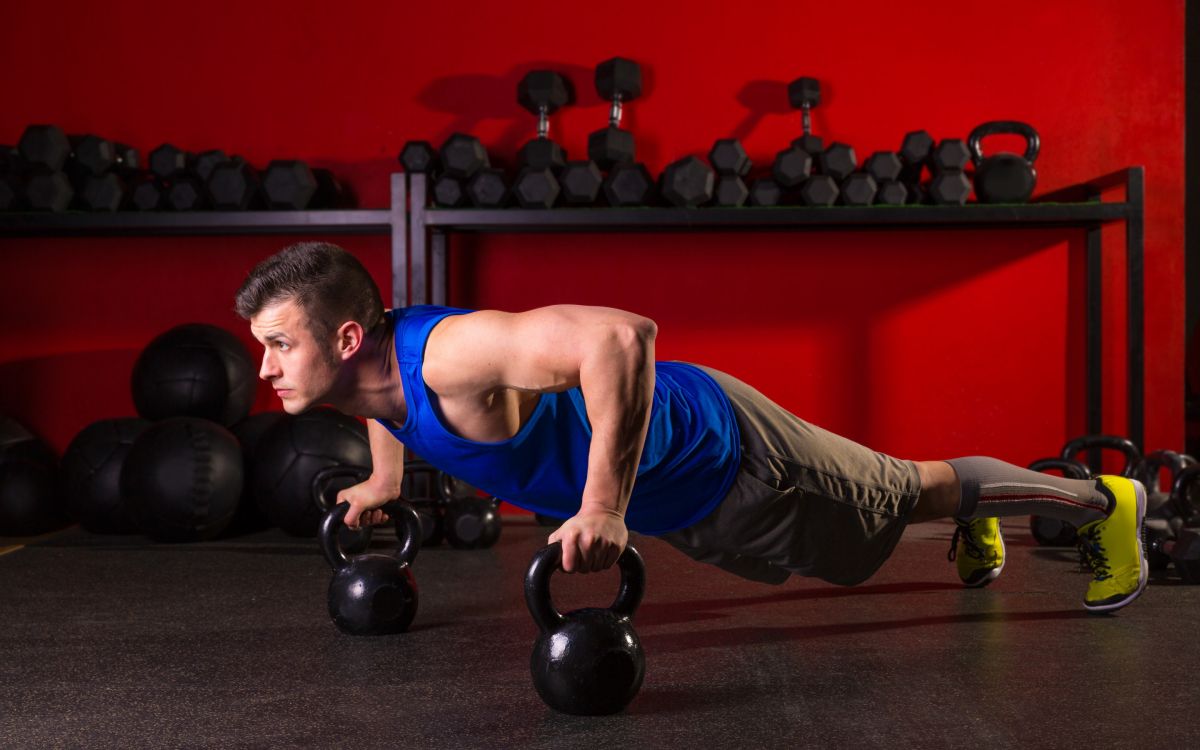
x,y
269,369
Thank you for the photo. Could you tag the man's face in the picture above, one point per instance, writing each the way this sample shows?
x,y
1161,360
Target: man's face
x,y
296,365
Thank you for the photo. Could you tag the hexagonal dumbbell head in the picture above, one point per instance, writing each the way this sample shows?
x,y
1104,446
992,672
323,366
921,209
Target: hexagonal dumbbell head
x,y
891,193
463,155
48,190
819,190
916,148
838,161
950,187
812,144
542,153
951,153
233,186
688,182
418,157
186,194
543,91
488,188
167,160
804,92
611,146
289,184
448,192
731,191
146,194
765,192
792,166
619,77
728,157
884,165
858,190
95,155
580,182
628,185
206,161
536,188
103,193
46,145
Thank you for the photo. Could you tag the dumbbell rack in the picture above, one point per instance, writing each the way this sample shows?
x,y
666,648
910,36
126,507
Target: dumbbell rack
x,y
419,236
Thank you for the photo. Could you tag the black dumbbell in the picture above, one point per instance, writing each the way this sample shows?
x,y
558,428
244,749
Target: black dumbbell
x,y
629,185
793,165
1181,549
731,163
687,183
885,167
168,161
536,188
488,188
950,184
542,92
289,184
146,193
819,190
47,189
580,182
46,146
858,189
620,81
462,156
234,186
418,157
448,192
765,191
915,152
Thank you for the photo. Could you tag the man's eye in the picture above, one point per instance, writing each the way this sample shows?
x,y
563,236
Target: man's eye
x,y
282,346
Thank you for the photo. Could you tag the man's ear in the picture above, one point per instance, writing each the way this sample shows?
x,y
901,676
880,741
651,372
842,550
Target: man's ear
x,y
348,339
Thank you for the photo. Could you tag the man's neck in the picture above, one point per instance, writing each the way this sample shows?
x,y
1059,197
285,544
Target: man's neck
x,y
374,388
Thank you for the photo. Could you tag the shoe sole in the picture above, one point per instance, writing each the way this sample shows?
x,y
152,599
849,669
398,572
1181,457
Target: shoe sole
x,y
1144,567
995,572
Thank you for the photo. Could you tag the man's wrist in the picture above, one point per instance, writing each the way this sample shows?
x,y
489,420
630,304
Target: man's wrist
x,y
600,506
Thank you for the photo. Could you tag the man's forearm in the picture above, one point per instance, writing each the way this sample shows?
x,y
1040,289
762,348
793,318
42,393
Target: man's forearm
x,y
387,456
617,380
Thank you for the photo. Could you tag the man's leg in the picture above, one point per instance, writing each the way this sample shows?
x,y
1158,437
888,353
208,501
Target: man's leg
x,y
1108,512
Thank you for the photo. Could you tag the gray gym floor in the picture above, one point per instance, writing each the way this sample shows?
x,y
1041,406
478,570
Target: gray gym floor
x,y
118,642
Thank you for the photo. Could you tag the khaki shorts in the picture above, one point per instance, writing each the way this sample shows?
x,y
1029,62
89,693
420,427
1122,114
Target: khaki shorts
x,y
805,500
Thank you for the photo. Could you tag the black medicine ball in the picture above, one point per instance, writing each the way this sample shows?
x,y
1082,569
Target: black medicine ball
x,y
28,504
249,432
290,454
182,479
91,475
194,370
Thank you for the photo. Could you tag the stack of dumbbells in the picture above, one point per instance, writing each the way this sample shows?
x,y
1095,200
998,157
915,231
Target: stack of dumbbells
x,y
806,173
51,171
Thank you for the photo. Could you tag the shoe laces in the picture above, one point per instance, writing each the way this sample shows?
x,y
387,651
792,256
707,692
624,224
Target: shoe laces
x,y
963,531
1093,553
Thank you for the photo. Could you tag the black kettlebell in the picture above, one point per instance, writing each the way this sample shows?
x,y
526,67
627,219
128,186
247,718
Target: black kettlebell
x,y
325,485
1186,509
1160,504
588,662
373,594
1005,177
1054,532
472,522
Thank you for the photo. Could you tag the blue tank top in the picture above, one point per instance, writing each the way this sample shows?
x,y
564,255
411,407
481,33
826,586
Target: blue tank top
x,y
691,454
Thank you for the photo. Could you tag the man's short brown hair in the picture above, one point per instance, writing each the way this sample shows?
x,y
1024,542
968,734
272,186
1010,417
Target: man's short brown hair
x,y
327,282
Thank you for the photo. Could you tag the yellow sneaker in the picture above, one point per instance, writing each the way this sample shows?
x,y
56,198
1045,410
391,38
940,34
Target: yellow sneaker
x,y
1112,547
978,548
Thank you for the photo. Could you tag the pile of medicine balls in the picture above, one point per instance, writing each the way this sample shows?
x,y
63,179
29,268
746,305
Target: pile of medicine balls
x,y
195,464
49,170
808,172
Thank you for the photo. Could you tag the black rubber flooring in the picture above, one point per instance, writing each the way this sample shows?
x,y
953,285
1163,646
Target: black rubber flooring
x,y
118,642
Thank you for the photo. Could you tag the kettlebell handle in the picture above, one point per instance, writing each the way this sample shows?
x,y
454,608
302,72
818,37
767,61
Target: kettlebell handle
x,y
321,481
1179,490
1133,456
549,558
1070,467
1033,143
408,532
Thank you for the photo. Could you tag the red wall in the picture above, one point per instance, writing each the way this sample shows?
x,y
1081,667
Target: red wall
x,y
923,344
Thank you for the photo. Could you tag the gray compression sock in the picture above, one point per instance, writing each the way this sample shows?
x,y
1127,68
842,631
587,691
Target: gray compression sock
x,y
991,487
